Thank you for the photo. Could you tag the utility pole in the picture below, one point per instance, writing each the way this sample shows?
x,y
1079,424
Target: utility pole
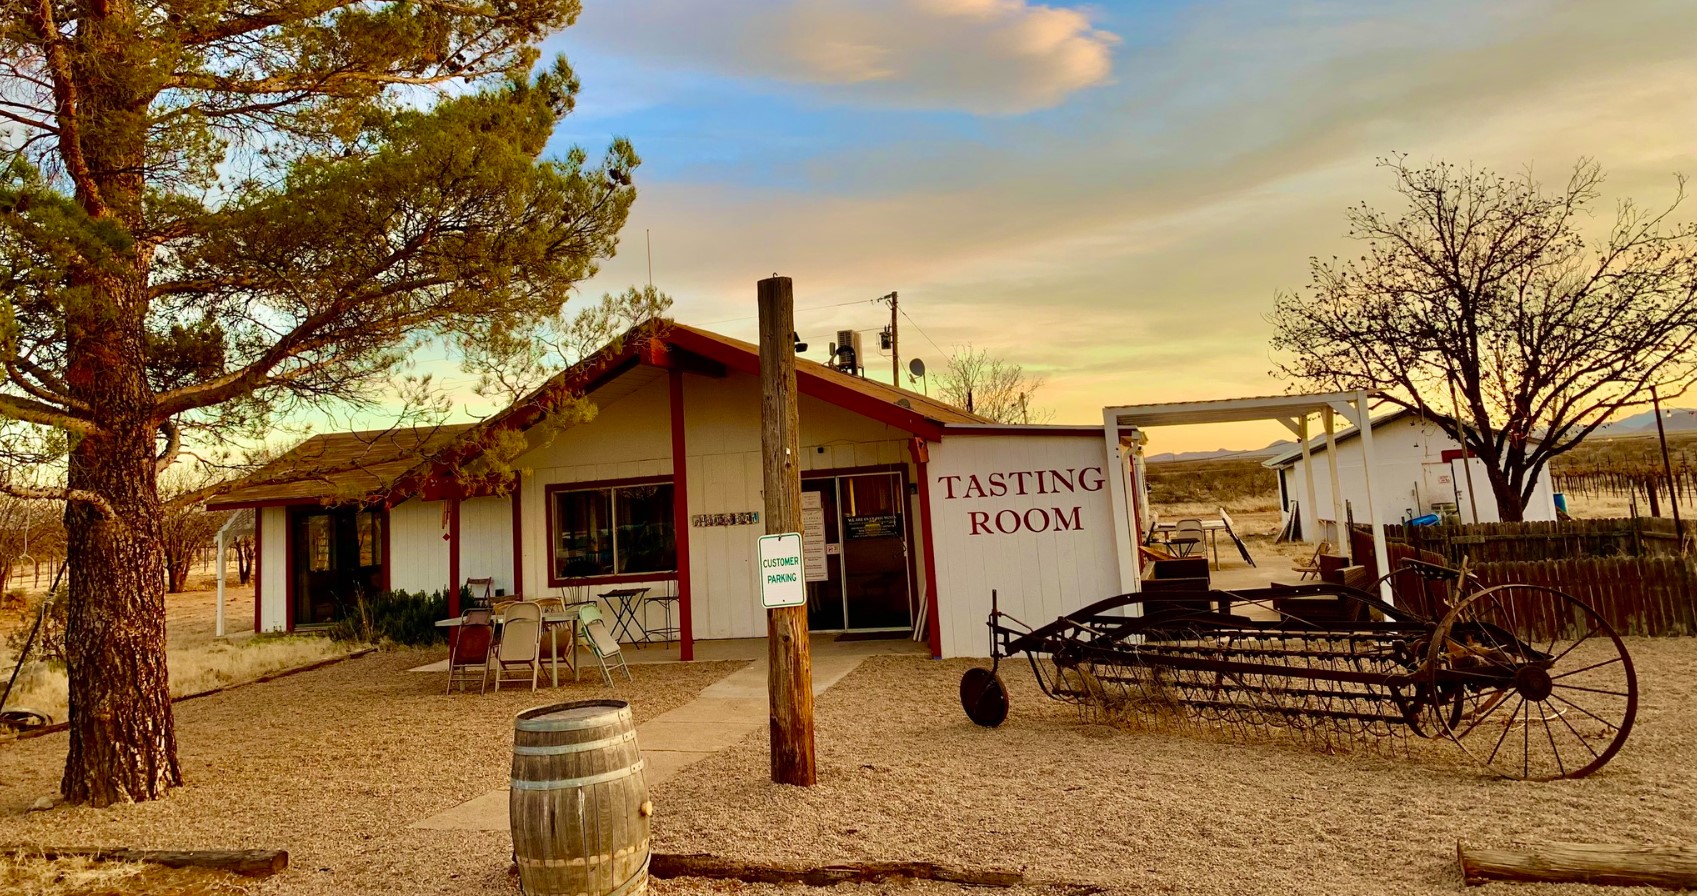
x,y
789,665
895,338
1667,467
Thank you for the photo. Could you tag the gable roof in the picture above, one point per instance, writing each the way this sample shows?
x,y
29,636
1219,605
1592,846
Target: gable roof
x,y
1317,444
394,463
346,465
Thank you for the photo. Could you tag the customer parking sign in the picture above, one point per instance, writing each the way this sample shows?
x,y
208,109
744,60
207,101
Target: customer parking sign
x,y
782,583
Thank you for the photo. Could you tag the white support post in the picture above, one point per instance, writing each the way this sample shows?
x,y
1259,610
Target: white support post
x,y
1381,555
218,627
1311,534
1328,420
1119,510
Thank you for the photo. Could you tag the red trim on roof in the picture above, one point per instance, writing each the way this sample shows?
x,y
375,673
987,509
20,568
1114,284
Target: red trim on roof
x,y
812,384
1014,429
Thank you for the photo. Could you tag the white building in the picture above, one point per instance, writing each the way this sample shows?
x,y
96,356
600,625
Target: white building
x,y
919,509
1418,470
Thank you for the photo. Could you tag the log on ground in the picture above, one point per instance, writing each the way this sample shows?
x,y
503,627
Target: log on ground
x,y
245,862
1670,867
668,865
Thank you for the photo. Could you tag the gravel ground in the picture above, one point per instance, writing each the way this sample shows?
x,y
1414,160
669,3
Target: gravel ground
x,y
333,765
904,775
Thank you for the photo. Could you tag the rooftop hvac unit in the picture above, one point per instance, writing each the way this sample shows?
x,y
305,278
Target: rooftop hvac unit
x,y
848,358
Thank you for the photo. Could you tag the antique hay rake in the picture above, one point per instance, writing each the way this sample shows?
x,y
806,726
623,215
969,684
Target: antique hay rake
x,y
1528,681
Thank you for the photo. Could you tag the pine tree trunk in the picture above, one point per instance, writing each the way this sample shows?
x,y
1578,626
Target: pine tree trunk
x,y
123,740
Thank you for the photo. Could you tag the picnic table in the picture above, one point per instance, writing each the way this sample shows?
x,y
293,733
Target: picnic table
x,y
1212,529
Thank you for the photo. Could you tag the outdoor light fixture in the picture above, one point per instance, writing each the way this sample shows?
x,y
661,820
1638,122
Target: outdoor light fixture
x,y
799,345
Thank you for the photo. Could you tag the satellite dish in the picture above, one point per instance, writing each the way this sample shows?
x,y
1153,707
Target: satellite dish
x,y
916,367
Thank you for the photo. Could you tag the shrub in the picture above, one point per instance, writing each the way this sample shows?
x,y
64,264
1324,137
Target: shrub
x,y
398,617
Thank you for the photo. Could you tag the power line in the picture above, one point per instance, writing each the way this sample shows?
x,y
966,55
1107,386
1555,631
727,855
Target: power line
x,y
922,332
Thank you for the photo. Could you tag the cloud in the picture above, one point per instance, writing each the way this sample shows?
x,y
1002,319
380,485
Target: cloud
x,y
1128,243
989,57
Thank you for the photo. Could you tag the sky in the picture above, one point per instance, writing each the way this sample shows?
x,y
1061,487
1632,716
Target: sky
x,y
1110,194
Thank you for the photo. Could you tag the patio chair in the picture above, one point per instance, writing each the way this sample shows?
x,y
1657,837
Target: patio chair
x,y
520,644
479,592
550,605
468,648
1311,566
500,607
593,630
1187,536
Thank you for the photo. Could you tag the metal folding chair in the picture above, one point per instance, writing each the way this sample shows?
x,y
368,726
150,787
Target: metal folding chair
x,y
592,629
468,649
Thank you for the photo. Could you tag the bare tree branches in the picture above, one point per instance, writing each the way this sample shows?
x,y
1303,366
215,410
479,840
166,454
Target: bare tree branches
x,y
991,387
1490,284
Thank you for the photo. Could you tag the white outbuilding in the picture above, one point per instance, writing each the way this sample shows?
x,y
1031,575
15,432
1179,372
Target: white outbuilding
x,y
1418,470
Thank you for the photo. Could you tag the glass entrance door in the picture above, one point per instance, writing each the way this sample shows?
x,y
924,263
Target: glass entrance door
x,y
868,583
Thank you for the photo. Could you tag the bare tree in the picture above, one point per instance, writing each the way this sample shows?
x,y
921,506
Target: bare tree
x,y
185,529
1487,288
991,387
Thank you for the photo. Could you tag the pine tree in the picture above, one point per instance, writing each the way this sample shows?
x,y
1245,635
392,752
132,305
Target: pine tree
x,y
216,211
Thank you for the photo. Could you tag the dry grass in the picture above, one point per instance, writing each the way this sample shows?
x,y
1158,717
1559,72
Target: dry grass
x,y
193,668
1239,480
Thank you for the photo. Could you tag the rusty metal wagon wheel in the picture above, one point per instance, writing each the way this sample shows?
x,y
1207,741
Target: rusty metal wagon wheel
x,y
984,697
1532,683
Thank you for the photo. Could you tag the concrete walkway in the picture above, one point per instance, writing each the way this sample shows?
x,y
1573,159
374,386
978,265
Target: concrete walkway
x,y
721,716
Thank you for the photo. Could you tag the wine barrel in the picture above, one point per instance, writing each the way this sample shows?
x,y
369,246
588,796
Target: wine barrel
x,y
579,804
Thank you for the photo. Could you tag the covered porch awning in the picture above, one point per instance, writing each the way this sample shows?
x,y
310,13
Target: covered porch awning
x,y
1294,411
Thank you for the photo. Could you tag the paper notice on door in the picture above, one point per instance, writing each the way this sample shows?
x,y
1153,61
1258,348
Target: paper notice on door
x,y
813,536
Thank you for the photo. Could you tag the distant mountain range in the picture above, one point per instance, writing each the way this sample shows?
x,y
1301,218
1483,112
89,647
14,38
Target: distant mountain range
x,y
1223,453
1643,423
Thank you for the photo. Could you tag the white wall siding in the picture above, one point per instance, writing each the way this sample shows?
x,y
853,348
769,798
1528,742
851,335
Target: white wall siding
x,y
1403,450
486,541
630,437
418,552
983,541
273,569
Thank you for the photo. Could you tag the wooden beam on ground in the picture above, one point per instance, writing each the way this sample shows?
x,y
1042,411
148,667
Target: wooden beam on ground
x,y
669,865
245,862
1669,867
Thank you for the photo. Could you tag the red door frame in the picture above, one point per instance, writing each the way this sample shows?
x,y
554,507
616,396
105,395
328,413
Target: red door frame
x,y
908,527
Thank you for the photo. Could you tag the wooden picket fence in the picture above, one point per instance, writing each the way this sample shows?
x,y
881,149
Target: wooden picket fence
x,y
1535,541
1647,594
1637,595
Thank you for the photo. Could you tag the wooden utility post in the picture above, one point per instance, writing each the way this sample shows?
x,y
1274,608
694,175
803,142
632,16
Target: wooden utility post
x,y
1667,467
789,669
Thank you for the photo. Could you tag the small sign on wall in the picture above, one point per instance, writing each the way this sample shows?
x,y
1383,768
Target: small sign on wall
x,y
707,520
813,536
782,583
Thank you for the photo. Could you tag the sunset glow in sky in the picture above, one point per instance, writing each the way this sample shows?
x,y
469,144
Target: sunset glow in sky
x,y
1109,193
